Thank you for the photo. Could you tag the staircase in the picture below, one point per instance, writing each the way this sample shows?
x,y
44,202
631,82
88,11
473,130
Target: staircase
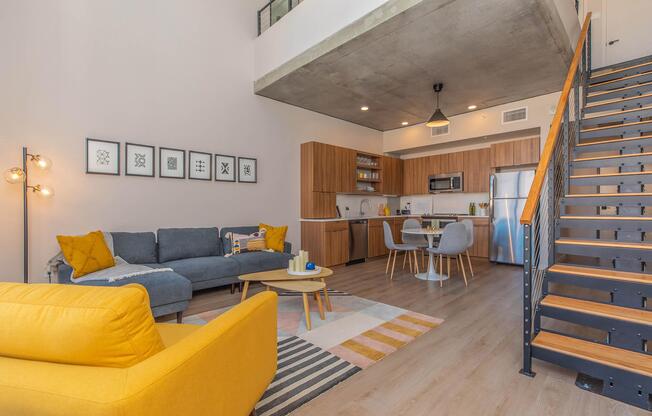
x,y
588,267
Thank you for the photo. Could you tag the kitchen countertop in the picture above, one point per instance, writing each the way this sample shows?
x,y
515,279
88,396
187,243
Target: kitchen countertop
x,y
372,217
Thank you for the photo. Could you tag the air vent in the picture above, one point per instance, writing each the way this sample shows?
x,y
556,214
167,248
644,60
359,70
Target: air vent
x,y
440,131
512,116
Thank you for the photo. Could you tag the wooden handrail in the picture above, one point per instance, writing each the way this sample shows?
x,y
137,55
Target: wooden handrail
x,y
553,134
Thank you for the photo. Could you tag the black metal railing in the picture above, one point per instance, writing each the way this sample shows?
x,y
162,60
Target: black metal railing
x,y
273,11
550,185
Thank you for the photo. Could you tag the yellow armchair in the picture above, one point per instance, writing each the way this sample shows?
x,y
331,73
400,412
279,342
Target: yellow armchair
x,y
219,369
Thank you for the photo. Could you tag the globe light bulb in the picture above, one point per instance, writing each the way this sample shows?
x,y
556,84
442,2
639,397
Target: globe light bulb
x,y
44,191
14,175
42,162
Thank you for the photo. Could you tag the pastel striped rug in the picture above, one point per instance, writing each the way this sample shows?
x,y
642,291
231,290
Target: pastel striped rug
x,y
377,343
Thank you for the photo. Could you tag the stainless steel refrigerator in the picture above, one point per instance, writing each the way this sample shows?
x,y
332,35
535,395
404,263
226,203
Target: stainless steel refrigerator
x,y
507,192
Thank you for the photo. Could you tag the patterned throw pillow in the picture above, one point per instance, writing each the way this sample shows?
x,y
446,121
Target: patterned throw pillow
x,y
242,243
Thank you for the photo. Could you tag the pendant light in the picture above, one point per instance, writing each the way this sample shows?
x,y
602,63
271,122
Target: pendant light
x,y
438,118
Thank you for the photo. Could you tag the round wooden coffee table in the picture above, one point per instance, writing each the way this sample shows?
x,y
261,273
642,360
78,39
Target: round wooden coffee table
x,y
282,275
304,287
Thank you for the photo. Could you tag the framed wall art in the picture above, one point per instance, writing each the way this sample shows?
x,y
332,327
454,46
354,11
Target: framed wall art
x,y
171,163
139,160
247,170
200,166
224,168
102,157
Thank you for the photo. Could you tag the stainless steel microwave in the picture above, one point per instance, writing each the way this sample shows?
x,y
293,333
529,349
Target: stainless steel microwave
x,y
447,182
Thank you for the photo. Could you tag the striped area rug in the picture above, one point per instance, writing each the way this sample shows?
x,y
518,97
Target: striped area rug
x,y
375,344
304,372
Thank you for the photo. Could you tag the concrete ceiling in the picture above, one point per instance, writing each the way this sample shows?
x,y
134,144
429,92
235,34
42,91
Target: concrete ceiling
x,y
486,53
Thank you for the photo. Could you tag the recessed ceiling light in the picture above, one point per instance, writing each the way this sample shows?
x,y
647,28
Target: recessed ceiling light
x,y
473,107
405,123
364,108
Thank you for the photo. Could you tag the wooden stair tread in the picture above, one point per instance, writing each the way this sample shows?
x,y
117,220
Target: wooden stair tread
x,y
631,277
615,100
615,126
609,195
584,159
598,93
618,140
619,79
637,316
597,243
615,113
606,175
615,71
604,217
598,353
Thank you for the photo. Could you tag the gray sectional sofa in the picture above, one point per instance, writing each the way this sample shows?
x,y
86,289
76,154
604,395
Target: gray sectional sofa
x,y
196,256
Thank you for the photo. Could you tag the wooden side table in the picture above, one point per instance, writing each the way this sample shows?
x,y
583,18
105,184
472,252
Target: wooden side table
x,y
304,287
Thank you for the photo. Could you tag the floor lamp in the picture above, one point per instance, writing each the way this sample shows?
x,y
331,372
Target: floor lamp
x,y
20,176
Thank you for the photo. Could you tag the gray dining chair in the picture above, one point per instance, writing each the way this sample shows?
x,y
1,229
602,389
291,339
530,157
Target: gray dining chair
x,y
420,241
453,243
469,234
394,248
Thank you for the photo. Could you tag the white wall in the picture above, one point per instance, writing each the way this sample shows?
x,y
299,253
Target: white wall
x,y
157,72
475,124
311,22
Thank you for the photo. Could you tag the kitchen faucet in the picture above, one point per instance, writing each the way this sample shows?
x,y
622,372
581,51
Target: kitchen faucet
x,y
362,203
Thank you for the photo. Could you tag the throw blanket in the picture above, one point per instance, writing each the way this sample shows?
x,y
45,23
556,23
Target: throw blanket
x,y
121,270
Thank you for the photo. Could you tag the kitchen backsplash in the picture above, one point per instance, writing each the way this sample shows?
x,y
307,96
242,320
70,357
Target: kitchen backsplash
x,y
353,202
443,203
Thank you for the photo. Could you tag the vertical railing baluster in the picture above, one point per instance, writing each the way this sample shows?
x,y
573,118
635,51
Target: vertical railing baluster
x,y
565,144
527,301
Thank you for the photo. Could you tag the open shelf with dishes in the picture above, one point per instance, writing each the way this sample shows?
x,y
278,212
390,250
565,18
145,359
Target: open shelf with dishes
x,y
368,173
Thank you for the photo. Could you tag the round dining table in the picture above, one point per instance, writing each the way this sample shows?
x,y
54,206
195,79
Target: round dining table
x,y
430,234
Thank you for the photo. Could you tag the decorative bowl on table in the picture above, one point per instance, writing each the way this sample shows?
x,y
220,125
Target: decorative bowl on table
x,y
306,273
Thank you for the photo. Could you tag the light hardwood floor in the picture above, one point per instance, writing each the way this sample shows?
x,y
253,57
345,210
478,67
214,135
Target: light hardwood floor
x,y
467,366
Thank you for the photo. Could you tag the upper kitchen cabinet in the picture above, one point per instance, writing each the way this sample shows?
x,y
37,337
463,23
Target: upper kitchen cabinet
x,y
345,160
476,170
454,162
526,152
415,175
318,166
392,176
515,153
325,170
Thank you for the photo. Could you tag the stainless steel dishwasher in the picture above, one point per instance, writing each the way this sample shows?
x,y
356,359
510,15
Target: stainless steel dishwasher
x,y
357,241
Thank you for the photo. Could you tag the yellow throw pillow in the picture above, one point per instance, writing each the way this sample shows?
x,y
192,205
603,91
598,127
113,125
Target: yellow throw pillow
x,y
86,253
274,236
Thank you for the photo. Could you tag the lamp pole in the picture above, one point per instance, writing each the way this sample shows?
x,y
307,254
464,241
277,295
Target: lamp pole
x,y
25,222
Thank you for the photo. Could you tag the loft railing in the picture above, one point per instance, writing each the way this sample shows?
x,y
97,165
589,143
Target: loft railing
x,y
273,11
550,184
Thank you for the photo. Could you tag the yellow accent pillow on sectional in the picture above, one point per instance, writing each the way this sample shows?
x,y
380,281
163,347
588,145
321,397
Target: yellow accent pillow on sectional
x,y
79,325
86,253
274,236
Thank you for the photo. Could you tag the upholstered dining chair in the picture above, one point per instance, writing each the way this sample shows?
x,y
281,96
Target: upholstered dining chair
x,y
418,240
453,243
394,248
469,234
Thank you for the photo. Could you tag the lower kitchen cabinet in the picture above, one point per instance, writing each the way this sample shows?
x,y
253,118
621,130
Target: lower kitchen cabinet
x,y
480,246
376,238
327,242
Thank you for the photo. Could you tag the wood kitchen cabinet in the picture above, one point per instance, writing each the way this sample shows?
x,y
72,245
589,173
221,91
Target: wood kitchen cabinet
x,y
392,175
515,153
452,162
476,170
480,247
502,154
345,168
526,151
415,175
327,242
376,238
